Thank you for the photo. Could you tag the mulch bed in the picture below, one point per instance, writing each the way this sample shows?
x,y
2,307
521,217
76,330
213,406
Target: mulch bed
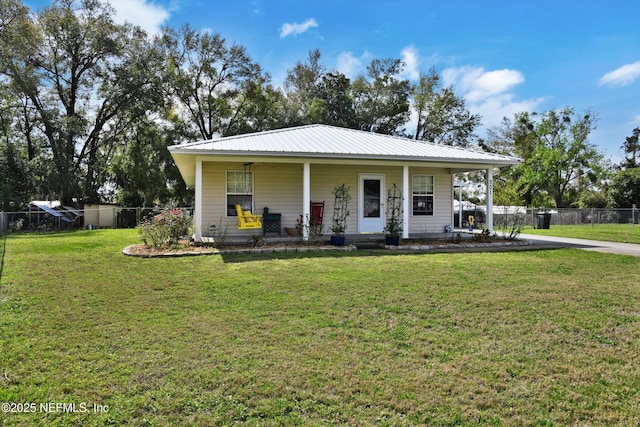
x,y
143,251
140,250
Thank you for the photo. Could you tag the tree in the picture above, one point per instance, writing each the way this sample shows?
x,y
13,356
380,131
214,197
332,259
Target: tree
x,y
558,160
209,81
263,109
15,186
84,80
516,138
592,198
332,103
564,154
381,102
441,115
313,95
15,182
143,171
625,188
631,148
300,88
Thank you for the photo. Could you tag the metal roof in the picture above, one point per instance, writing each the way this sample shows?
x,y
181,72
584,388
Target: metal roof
x,y
323,140
333,144
51,209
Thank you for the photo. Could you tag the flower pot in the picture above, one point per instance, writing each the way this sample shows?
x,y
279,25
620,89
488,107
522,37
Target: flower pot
x,y
392,240
293,231
337,240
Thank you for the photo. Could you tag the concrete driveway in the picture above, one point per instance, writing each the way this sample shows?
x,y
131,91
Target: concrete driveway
x,y
587,245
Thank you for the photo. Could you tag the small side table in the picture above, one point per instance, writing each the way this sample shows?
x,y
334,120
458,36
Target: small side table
x,y
271,224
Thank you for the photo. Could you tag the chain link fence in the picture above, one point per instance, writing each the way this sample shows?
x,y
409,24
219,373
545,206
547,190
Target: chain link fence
x,y
66,218
110,216
503,215
586,216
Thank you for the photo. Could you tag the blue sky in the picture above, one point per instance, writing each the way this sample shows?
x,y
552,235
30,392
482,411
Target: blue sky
x,y
502,56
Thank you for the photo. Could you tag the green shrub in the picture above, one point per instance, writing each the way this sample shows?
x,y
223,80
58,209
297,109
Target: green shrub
x,y
165,228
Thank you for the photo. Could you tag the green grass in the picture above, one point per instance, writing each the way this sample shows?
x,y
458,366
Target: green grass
x,y
624,233
518,338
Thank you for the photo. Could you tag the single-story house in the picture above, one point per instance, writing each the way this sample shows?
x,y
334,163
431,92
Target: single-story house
x,y
287,169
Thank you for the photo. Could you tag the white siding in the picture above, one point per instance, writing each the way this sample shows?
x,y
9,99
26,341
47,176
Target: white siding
x,y
279,187
276,186
213,197
442,203
323,179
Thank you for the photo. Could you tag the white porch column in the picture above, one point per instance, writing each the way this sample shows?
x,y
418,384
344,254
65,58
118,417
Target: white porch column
x,y
306,199
490,200
405,202
197,212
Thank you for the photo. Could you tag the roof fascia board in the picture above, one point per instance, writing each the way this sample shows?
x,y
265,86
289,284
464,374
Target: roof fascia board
x,y
474,164
186,163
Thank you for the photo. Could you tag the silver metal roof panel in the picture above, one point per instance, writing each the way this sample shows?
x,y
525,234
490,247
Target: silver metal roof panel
x,y
323,140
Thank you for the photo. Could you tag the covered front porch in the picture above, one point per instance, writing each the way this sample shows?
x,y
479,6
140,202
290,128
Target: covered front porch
x,y
361,241
287,189
285,170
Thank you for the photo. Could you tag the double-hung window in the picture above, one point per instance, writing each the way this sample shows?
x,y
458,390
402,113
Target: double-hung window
x,y
239,191
422,194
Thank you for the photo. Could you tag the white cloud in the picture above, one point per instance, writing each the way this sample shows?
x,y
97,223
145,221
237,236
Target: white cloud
x,y
256,8
412,63
295,28
479,84
352,66
138,12
622,76
493,109
489,93
348,64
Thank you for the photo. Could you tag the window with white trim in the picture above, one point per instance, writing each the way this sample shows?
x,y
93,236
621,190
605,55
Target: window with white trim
x,y
239,191
422,191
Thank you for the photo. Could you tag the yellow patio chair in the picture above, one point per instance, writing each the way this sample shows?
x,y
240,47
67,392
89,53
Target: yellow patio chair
x,y
246,220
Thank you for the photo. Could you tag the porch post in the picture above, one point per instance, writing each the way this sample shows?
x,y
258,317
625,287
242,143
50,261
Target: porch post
x,y
197,212
460,206
490,200
405,202
306,199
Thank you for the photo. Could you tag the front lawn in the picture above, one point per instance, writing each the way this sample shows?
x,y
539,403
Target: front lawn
x,y
624,233
350,338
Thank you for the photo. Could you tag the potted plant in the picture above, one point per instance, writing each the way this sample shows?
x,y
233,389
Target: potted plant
x,y
342,197
295,231
292,231
394,216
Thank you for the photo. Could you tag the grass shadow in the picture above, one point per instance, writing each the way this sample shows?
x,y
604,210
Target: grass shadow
x,y
371,252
